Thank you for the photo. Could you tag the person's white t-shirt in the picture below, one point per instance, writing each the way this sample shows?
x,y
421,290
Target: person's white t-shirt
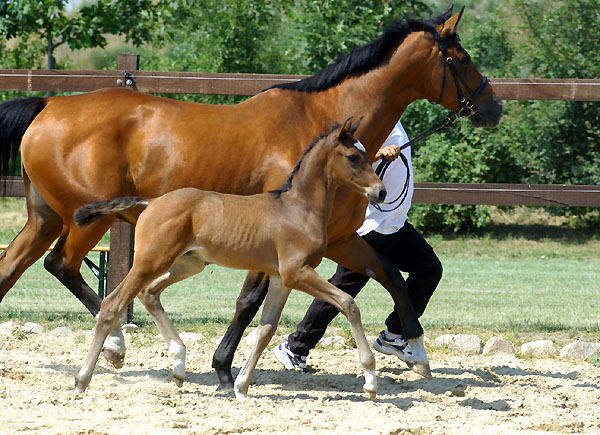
x,y
398,181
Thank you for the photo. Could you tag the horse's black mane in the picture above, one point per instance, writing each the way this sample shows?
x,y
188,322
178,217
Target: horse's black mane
x,y
288,184
363,59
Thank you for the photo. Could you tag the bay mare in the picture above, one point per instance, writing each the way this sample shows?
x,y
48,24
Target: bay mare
x,y
114,142
283,233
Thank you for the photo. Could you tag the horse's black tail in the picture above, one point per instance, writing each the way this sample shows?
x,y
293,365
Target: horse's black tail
x,y
15,118
94,211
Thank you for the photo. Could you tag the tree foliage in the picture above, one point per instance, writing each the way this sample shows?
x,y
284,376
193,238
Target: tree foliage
x,y
50,24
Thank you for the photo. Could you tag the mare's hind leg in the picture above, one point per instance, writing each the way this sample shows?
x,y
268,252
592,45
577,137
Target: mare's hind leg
x,y
276,299
42,228
64,262
186,266
249,301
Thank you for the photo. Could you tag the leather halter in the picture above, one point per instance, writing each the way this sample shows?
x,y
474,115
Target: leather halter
x,y
467,105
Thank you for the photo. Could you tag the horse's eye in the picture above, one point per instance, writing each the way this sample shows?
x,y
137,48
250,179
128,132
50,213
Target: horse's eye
x,y
352,158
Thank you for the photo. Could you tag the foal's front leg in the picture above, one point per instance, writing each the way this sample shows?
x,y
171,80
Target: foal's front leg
x,y
276,299
356,254
307,280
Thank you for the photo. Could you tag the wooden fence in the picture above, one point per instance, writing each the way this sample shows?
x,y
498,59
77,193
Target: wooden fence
x,y
127,74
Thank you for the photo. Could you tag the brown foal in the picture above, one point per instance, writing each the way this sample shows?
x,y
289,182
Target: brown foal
x,y
283,233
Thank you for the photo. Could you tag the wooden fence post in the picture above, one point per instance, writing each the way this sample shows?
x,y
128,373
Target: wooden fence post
x,y
122,233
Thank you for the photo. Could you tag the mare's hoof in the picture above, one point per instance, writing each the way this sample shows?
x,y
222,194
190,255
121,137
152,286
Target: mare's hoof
x,y
116,359
225,387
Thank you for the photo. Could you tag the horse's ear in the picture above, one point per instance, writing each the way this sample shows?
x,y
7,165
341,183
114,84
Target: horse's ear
x,y
346,128
355,125
448,28
448,13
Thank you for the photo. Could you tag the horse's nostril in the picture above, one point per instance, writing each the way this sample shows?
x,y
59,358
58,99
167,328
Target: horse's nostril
x,y
382,195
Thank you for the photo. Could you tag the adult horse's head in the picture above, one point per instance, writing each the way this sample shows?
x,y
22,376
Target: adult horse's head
x,y
455,82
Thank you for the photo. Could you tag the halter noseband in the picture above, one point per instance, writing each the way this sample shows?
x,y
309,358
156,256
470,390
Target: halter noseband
x,y
466,105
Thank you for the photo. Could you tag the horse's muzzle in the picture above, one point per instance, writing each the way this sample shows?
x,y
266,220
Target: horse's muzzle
x,y
487,115
377,195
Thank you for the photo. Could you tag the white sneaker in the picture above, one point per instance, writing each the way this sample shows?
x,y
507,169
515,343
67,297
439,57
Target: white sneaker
x,y
411,352
398,346
289,359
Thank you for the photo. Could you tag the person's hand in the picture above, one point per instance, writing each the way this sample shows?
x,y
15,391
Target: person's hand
x,y
388,152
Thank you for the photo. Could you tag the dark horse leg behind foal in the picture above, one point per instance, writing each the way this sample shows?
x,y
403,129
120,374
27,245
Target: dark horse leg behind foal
x,y
346,253
249,301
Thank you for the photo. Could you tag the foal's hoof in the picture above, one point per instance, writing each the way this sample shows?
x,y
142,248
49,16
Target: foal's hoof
x,y
178,381
80,385
116,359
241,393
372,393
421,369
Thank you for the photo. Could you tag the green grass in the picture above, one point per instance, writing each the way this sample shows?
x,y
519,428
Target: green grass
x,y
508,279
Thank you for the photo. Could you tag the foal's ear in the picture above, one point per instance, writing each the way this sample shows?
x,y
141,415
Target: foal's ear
x,y
349,127
448,28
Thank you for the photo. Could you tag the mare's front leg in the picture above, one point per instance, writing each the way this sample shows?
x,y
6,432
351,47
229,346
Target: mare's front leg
x,y
249,301
356,254
276,297
307,280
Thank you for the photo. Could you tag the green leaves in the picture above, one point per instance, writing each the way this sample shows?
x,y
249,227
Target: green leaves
x,y
53,22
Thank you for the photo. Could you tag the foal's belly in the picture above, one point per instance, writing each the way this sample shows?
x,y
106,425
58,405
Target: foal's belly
x,y
234,259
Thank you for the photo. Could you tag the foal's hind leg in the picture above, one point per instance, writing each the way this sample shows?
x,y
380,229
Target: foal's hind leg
x,y
186,266
249,301
276,298
43,226
64,262
112,308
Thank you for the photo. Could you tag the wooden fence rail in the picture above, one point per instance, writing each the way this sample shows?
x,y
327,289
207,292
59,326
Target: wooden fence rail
x,y
250,84
549,195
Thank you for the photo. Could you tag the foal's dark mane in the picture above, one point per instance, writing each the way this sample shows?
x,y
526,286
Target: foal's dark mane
x,y
363,59
288,184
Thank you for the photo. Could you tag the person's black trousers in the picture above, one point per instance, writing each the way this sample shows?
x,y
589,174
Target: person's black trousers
x,y
408,251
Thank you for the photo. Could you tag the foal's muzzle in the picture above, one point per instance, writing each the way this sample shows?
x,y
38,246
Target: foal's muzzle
x,y
376,195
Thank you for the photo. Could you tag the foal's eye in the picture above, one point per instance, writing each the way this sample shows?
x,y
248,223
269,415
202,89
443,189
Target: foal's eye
x,y
352,158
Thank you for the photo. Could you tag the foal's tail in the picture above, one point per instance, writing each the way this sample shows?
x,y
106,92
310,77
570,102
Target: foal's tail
x,y
15,118
94,211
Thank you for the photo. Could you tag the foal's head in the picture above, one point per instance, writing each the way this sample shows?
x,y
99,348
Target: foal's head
x,y
348,163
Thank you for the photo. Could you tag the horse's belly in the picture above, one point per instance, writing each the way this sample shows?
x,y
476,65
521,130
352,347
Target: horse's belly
x,y
238,259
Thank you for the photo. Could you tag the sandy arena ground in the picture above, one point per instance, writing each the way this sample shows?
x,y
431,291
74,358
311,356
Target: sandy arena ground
x,y
468,395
